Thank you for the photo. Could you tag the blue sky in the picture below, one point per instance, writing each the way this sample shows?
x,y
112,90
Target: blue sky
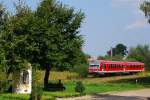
x,y
107,23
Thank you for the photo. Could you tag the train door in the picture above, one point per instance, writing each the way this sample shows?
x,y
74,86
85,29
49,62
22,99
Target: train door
x,y
94,66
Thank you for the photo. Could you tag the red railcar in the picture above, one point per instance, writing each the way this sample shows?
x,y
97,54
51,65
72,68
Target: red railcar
x,y
103,66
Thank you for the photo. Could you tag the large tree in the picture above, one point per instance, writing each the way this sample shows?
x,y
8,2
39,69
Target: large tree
x,y
59,40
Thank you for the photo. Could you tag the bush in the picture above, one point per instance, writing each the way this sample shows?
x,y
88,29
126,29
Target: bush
x,y
79,87
4,83
82,70
4,86
39,91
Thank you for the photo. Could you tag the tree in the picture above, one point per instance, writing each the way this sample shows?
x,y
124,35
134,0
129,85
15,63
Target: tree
x,y
60,42
8,43
120,49
141,53
100,57
2,25
15,41
145,7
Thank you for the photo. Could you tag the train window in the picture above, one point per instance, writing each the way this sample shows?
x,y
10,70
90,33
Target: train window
x,y
108,66
94,65
103,66
114,65
129,66
120,66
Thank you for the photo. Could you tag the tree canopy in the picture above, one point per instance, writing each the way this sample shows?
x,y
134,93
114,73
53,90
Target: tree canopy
x,y
145,7
119,49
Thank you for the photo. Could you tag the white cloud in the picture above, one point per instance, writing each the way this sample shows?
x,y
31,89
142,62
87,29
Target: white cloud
x,y
138,23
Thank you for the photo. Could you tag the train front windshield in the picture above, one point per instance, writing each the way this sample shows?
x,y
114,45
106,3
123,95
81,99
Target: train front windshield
x,y
94,64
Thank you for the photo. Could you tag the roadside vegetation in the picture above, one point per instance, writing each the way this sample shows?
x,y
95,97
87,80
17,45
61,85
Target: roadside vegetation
x,y
92,84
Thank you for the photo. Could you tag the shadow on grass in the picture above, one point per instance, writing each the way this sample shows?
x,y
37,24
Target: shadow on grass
x,y
97,75
59,86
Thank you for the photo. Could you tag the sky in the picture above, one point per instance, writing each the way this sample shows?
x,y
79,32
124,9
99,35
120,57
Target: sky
x,y
107,23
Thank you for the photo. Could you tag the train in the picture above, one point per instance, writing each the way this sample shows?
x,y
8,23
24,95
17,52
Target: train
x,y
104,67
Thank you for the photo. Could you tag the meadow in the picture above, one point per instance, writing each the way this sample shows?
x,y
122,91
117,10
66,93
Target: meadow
x,y
92,84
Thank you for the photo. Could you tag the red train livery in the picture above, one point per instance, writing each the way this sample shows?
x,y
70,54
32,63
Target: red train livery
x,y
103,66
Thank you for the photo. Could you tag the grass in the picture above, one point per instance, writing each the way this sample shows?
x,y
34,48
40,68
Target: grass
x,y
9,96
92,88
92,85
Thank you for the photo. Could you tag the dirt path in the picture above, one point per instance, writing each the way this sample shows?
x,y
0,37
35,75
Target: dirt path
x,y
140,93
143,94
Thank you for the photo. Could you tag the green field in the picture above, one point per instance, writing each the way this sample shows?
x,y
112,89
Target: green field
x,y
92,85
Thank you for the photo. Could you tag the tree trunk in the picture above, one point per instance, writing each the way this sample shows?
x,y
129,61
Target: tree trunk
x,y
47,72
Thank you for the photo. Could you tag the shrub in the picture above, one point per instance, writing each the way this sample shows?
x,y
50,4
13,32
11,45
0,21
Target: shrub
x,y
4,86
39,92
82,70
4,83
79,87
